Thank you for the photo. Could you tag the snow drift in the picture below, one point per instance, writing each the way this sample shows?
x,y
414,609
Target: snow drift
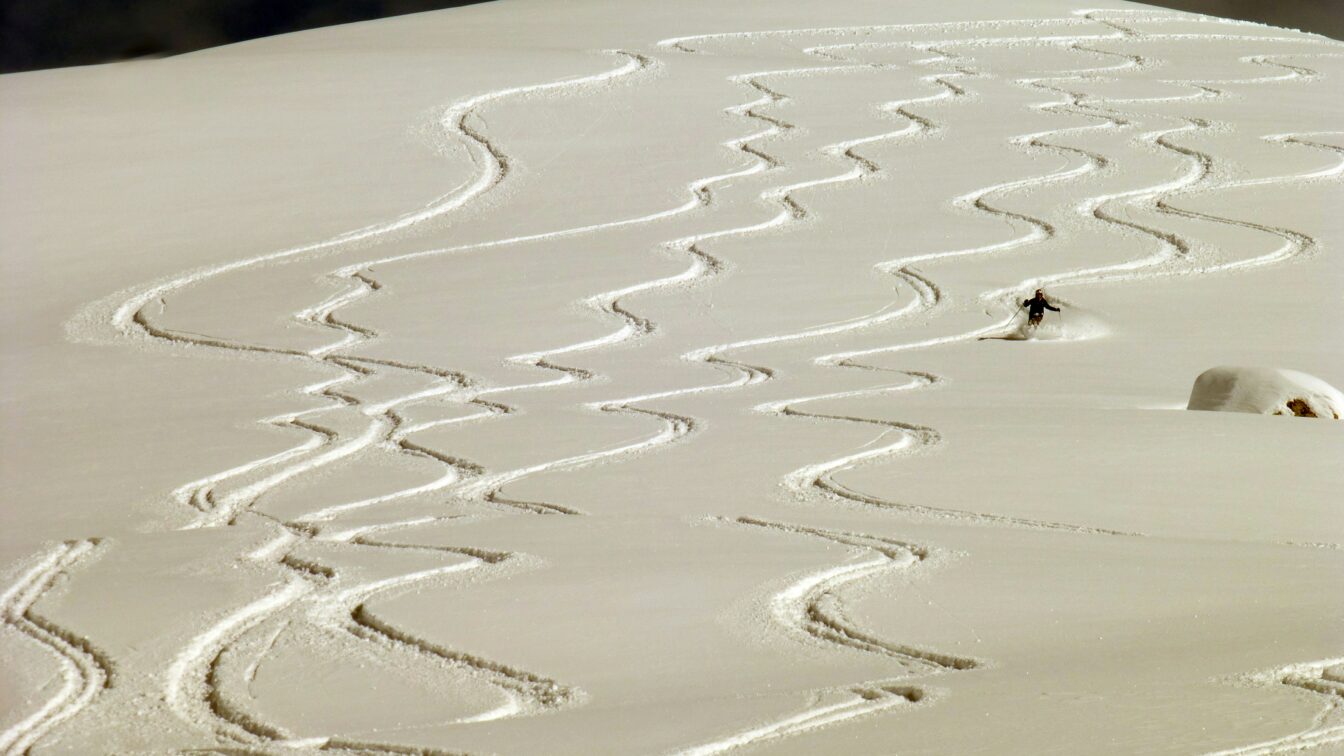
x,y
1266,391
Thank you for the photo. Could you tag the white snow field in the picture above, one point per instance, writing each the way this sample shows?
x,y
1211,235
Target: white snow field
x,y
647,378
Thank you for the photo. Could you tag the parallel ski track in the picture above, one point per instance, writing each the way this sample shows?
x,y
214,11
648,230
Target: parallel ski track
x,y
703,266
858,701
812,606
914,438
85,670
1173,247
816,481
809,606
336,608
486,487
1040,230
385,426
818,477
806,605
191,686
457,122
239,726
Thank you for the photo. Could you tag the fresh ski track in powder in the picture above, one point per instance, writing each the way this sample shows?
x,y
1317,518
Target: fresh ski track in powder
x,y
809,608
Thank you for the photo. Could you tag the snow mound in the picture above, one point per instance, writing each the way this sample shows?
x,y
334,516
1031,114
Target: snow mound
x,y
1267,391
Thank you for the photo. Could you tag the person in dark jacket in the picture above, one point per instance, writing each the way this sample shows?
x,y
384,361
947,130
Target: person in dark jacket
x,y
1036,307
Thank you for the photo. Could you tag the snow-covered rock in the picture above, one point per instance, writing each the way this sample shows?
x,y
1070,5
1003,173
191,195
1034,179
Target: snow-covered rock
x,y
1267,391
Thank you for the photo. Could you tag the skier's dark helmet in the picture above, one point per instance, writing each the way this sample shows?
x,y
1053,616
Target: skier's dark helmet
x,y
1040,292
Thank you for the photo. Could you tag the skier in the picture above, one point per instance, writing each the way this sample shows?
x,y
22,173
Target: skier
x,y
1036,308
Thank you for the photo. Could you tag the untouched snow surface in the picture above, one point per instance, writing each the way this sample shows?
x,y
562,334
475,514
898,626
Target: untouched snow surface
x,y
584,377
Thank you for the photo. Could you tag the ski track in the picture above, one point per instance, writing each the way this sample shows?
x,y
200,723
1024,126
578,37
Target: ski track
x,y
1323,678
812,606
809,605
927,294
1040,230
85,671
798,606
1173,247
860,700
129,320
191,683
242,727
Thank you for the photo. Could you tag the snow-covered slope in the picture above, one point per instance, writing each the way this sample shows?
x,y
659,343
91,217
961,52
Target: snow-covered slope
x,y
599,377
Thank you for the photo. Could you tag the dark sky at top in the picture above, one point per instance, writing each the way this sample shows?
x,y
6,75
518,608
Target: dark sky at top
x,y
50,33
1319,16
